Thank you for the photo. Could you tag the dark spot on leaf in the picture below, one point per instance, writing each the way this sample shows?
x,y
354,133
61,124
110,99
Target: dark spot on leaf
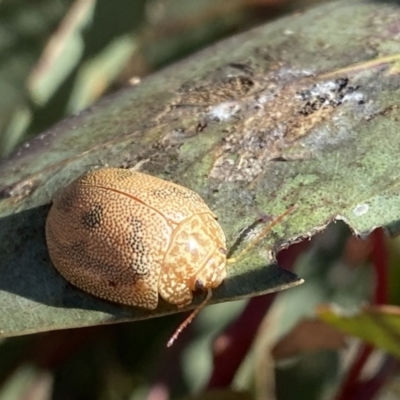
x,y
324,95
201,126
242,67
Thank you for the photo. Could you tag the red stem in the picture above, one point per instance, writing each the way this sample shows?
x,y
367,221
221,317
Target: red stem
x,y
236,341
232,345
380,262
368,390
381,266
350,384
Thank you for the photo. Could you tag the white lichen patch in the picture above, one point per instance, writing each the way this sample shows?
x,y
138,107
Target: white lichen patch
x,y
295,121
224,111
356,97
360,209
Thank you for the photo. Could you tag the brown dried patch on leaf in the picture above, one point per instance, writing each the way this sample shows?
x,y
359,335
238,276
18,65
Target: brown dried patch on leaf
x,y
272,124
232,82
316,105
20,189
308,335
226,90
257,114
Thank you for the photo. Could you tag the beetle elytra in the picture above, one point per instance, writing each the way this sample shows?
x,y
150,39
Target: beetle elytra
x,y
129,237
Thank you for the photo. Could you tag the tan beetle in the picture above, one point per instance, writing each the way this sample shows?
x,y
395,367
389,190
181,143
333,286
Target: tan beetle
x,y
128,237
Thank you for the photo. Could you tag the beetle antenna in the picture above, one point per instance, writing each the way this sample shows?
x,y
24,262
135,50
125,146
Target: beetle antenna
x,y
189,319
266,230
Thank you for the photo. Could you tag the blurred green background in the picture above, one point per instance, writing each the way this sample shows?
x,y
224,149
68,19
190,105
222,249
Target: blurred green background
x,y
57,57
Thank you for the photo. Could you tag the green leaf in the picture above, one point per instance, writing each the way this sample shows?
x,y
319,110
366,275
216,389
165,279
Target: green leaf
x,y
377,325
259,122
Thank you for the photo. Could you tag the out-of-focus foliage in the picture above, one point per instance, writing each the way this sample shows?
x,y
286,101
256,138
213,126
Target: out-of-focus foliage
x,y
57,57
378,325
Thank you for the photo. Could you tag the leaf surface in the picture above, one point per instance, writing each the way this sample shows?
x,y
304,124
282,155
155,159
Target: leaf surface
x,y
300,111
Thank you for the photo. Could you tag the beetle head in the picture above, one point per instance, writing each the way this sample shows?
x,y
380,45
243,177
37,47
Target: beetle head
x,y
212,273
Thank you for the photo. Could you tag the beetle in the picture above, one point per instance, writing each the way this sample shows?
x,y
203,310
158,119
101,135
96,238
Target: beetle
x,y
129,237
